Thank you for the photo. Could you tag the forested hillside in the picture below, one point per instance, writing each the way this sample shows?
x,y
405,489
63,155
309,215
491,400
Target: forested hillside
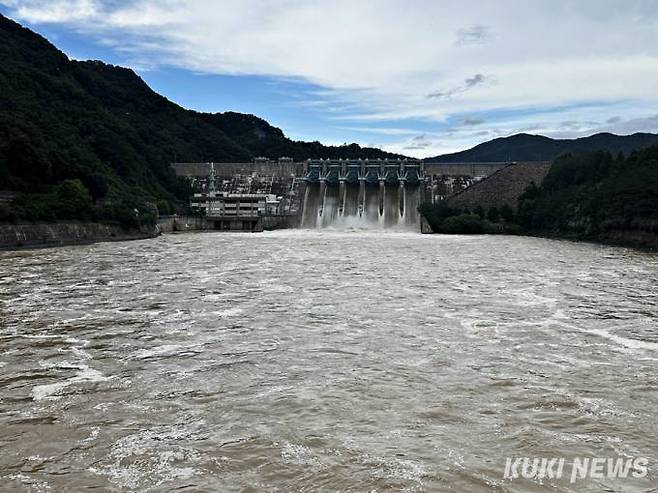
x,y
597,196
104,132
586,196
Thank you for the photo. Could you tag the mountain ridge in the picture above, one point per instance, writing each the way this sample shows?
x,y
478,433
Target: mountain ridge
x,y
531,147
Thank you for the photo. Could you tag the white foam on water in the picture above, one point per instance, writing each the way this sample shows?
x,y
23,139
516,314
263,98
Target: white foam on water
x,y
395,468
81,353
602,408
85,374
33,484
275,389
229,312
93,435
299,455
623,341
151,458
167,349
73,340
216,296
584,437
528,297
134,476
626,342
40,336
39,458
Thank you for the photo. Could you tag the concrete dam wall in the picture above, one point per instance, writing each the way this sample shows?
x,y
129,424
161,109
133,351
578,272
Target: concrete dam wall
x,y
379,194
361,206
355,193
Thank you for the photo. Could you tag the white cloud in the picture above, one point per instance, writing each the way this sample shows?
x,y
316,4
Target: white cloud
x,y
386,56
54,10
473,35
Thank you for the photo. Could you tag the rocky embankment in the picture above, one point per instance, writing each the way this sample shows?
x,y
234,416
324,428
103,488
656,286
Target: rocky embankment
x,y
504,187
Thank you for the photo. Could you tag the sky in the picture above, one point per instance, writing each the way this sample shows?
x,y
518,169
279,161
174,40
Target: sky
x,y
418,77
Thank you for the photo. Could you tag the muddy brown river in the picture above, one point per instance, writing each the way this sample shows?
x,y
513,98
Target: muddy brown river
x,y
302,361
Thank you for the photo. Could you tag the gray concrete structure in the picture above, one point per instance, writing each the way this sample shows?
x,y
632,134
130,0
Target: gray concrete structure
x,y
363,192
323,192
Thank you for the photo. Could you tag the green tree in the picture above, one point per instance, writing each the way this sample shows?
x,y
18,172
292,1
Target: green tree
x,y
164,208
34,208
7,214
493,215
507,213
72,200
463,224
593,195
97,184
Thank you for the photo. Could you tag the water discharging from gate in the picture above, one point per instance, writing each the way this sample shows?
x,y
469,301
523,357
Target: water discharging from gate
x,y
361,206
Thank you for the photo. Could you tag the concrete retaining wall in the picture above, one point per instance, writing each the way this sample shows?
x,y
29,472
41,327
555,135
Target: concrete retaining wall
x,y
281,222
16,236
169,224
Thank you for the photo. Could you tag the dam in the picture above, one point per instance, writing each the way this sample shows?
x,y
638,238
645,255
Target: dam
x,y
328,193
362,193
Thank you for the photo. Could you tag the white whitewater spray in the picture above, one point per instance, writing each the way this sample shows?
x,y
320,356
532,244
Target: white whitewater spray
x,y
364,206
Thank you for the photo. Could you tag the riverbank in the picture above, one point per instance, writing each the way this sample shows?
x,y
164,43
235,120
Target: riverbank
x,y
639,240
443,219
46,235
43,235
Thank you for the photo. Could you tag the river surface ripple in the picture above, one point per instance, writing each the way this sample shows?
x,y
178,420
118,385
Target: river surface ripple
x,y
324,361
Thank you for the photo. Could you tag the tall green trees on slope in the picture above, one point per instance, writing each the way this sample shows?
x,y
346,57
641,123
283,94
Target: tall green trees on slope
x,y
102,125
595,196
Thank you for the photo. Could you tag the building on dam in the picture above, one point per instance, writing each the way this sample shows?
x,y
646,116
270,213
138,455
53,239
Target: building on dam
x,y
245,196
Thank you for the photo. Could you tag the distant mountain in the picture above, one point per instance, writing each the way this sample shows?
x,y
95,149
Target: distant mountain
x,y
100,124
526,147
